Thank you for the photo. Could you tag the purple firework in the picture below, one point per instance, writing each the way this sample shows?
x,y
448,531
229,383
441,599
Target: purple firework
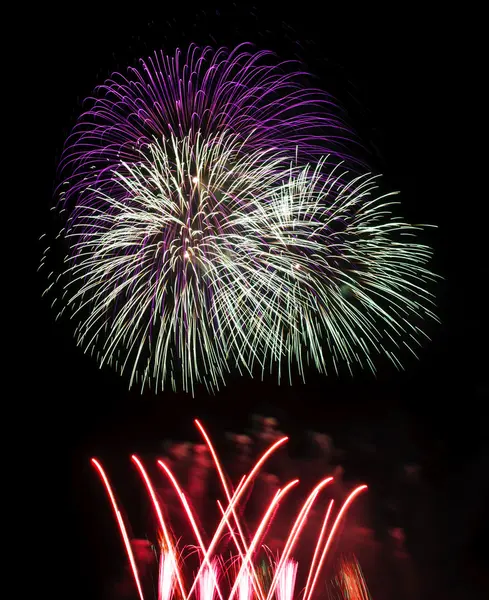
x,y
203,93
211,227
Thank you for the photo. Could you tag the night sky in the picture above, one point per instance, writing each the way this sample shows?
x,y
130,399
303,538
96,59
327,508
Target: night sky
x,y
397,80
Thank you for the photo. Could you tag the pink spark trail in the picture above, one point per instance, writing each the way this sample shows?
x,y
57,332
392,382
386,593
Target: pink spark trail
x,y
212,579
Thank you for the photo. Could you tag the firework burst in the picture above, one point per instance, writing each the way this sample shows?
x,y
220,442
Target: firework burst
x,y
212,228
247,575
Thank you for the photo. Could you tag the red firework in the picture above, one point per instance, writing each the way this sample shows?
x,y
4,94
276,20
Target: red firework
x,y
245,583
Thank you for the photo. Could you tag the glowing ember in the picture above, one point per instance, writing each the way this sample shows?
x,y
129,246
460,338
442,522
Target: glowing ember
x,y
350,583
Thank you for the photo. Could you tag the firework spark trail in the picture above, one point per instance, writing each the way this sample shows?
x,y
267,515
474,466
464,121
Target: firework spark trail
x,y
329,541
295,532
208,582
245,588
166,576
161,520
286,581
210,228
237,496
222,478
318,547
350,581
122,527
210,567
245,581
259,531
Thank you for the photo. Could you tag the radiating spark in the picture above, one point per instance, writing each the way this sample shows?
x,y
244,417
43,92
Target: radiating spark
x,y
254,289
210,228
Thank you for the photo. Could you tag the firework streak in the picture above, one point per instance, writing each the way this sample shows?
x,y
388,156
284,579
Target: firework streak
x,y
349,583
216,219
247,580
